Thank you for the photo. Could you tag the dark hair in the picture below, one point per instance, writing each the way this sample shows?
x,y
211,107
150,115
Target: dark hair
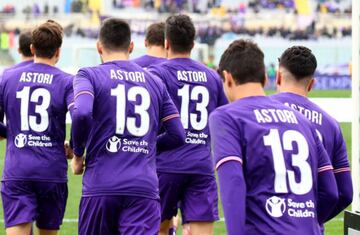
x,y
180,32
244,60
155,34
115,34
24,43
47,38
299,61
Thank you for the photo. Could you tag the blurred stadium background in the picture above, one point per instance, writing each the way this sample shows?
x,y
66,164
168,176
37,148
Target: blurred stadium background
x,y
322,25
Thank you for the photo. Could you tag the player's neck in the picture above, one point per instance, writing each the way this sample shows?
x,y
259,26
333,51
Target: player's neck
x,y
114,56
298,90
48,61
247,90
156,51
176,55
26,58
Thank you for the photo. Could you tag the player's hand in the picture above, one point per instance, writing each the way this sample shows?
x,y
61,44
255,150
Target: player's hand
x,y
77,165
68,151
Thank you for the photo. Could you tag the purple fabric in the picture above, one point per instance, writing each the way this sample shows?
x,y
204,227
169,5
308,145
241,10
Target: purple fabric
x,y
332,140
233,198
189,83
35,99
173,137
327,126
26,201
81,122
195,194
259,133
344,183
146,61
119,215
19,65
123,121
327,195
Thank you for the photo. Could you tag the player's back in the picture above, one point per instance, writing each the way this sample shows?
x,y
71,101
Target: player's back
x,y
146,61
128,106
35,99
326,126
196,92
280,158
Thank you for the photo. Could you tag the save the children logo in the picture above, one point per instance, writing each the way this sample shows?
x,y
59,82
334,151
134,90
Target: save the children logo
x,y
20,140
114,144
275,206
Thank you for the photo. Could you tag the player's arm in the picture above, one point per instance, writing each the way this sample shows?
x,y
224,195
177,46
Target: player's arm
x,y
81,118
327,189
342,173
174,135
69,96
228,158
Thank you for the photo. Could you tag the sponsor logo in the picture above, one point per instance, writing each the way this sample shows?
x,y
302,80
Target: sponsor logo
x,y
20,140
275,206
114,144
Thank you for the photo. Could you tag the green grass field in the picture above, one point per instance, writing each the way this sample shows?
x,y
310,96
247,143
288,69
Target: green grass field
x,y
69,227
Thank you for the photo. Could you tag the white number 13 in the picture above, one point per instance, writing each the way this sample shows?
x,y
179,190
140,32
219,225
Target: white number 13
x,y
298,160
120,93
41,109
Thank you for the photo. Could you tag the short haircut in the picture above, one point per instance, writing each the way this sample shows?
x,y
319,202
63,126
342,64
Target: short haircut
x,y
155,34
24,43
244,60
47,38
180,33
115,34
299,61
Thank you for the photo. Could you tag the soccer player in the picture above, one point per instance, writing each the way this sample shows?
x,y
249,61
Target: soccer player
x,y
119,108
186,174
155,46
295,79
35,99
274,174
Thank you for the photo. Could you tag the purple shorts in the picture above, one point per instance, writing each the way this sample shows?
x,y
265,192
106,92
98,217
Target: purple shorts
x,y
195,194
28,201
114,215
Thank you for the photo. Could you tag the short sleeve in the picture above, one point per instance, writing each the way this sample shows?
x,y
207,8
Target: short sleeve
x,y
340,159
168,109
225,140
82,84
324,163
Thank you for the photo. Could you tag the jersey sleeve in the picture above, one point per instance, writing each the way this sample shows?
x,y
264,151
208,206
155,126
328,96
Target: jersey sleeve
x,y
83,84
168,109
69,93
324,163
155,71
340,159
225,141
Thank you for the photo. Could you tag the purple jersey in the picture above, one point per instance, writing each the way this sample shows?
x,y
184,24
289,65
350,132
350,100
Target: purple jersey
x,y
147,60
35,99
281,156
326,126
128,106
21,64
196,92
